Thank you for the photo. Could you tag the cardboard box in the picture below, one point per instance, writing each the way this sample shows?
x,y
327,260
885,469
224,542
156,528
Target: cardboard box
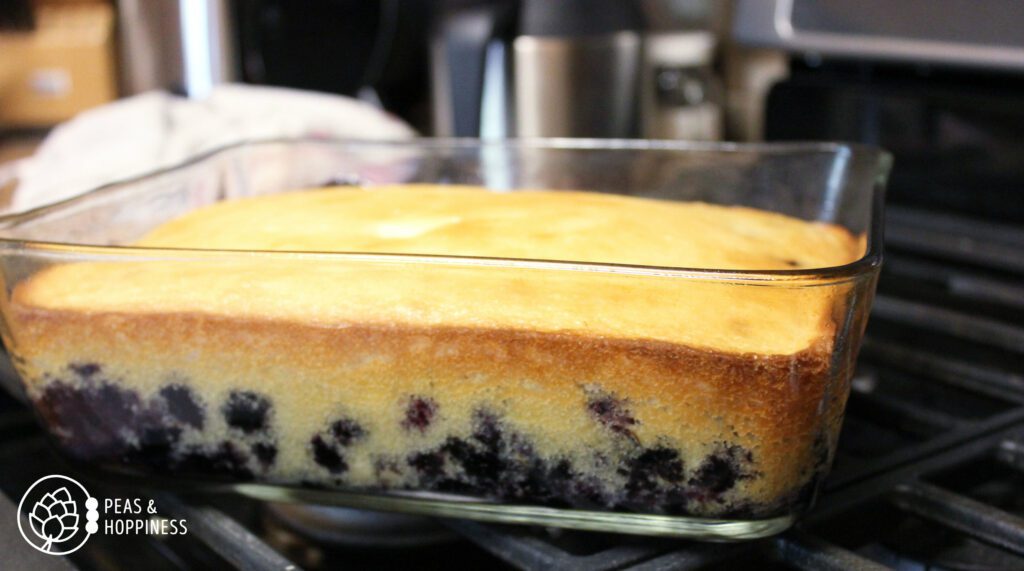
x,y
64,66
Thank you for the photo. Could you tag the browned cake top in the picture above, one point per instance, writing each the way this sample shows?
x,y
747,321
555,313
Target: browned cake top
x,y
467,221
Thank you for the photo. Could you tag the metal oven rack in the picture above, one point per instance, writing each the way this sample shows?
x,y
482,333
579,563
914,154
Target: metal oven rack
x,y
929,468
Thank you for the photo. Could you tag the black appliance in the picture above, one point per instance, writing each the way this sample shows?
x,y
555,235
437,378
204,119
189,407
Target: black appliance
x,y
955,132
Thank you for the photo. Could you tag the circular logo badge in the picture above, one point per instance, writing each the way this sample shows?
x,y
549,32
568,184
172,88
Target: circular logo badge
x,y
57,515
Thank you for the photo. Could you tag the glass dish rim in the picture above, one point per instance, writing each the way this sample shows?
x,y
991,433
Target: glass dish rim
x,y
871,260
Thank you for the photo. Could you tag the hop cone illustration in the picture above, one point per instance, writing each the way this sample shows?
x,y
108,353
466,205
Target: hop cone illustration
x,y
54,518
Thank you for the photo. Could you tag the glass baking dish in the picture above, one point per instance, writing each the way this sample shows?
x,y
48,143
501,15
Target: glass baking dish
x,y
701,402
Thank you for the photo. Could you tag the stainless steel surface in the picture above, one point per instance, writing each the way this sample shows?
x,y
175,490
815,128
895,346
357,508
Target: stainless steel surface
x,y
186,45
960,32
150,44
579,87
681,94
464,70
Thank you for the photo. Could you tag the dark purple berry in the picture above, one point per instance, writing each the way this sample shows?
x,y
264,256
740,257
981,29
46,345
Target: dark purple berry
x,y
225,460
428,464
562,471
662,463
720,471
118,406
483,467
183,406
650,473
327,445
160,438
588,493
85,370
347,431
247,411
419,413
90,421
154,448
265,453
327,456
715,475
486,431
613,413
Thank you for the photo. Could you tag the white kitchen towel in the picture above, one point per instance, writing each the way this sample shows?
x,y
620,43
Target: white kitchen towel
x,y
139,134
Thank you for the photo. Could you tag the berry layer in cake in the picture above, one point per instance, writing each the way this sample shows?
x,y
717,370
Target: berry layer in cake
x,y
589,387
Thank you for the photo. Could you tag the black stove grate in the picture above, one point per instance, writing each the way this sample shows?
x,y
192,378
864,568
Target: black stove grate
x,y
928,473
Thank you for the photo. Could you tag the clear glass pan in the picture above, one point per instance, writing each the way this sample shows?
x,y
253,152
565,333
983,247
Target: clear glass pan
x,y
593,421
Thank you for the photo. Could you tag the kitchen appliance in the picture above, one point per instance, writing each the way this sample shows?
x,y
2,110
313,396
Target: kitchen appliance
x,y
949,32
533,68
936,82
682,95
